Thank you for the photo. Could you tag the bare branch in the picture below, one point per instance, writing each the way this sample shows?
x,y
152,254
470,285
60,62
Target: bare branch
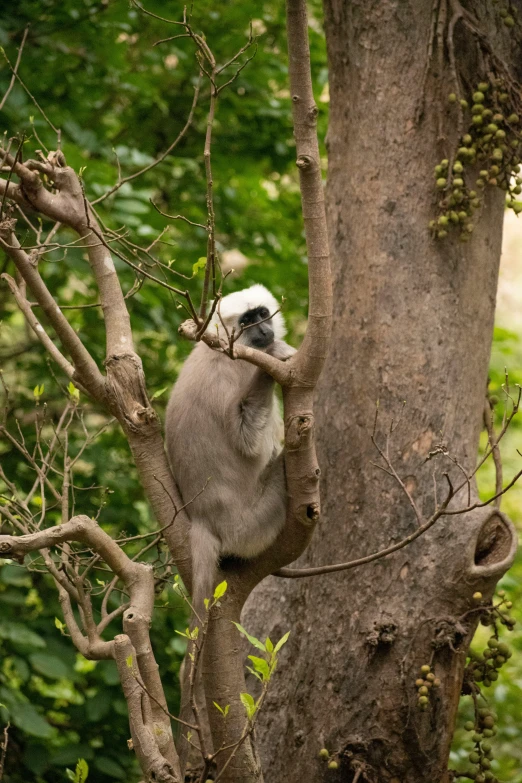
x,y
13,78
37,328
88,372
495,451
279,370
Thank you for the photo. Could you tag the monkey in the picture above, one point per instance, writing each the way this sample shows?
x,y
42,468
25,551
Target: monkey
x,y
223,435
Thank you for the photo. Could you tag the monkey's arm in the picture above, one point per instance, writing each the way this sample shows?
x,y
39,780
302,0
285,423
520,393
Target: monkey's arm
x,y
251,417
256,405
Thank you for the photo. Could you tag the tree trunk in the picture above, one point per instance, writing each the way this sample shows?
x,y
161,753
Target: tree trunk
x,y
413,320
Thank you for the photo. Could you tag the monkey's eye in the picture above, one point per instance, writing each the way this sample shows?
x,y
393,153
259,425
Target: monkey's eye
x,y
263,312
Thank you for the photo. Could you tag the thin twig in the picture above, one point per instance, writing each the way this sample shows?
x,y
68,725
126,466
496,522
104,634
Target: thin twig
x,y
188,123
15,69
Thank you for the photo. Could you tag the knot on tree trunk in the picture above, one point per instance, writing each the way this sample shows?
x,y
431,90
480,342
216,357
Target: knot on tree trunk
x,y
189,329
495,545
309,515
300,430
126,391
304,162
7,226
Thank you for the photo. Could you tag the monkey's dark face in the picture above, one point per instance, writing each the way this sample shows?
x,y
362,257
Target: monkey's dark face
x,y
258,329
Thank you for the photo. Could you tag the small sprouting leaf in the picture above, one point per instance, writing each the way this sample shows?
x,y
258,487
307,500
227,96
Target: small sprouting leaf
x,y
194,633
220,590
159,393
227,709
183,633
261,666
38,391
200,264
189,735
224,712
250,669
206,601
128,661
249,704
282,640
268,645
73,391
82,771
80,172
61,626
100,582
252,639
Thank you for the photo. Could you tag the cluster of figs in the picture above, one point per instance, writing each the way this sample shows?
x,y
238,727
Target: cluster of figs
x,y
489,154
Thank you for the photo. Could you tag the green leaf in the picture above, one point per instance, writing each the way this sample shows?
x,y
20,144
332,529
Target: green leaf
x,y
249,704
261,666
282,640
224,712
252,639
200,264
159,393
109,767
220,590
38,391
28,720
49,665
73,391
61,626
19,634
268,645
81,772
250,669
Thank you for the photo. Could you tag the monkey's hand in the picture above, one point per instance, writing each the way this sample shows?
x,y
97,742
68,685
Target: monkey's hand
x,y
281,350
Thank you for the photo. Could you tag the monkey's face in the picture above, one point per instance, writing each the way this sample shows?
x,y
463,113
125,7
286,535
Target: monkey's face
x,y
258,331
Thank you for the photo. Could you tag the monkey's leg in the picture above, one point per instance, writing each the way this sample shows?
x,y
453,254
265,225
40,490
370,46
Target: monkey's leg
x,y
265,519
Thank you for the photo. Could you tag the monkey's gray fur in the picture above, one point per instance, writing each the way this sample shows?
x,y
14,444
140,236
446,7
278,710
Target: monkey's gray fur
x,y
223,436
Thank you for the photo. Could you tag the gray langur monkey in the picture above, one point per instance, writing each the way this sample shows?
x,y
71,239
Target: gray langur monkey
x,y
223,436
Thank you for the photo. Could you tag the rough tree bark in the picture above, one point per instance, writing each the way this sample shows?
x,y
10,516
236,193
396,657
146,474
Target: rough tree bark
x,y
413,322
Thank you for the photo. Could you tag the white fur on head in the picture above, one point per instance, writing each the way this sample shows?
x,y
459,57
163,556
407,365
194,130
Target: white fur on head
x,y
232,307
